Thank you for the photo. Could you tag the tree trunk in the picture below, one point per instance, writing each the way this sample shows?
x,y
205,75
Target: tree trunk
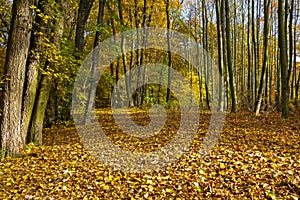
x,y
44,88
278,83
291,43
31,82
124,58
93,84
254,42
229,59
167,2
225,62
143,55
257,66
83,15
250,64
220,55
283,59
205,45
242,92
36,129
12,139
297,92
263,79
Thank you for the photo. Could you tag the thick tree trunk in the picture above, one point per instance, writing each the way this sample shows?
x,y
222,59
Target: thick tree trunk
x,y
12,139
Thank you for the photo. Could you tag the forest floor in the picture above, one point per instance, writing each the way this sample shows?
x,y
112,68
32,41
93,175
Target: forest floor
x,y
257,157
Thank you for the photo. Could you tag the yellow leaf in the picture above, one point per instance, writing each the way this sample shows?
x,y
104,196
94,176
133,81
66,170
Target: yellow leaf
x,y
106,187
169,190
222,172
213,173
222,166
110,178
244,167
150,182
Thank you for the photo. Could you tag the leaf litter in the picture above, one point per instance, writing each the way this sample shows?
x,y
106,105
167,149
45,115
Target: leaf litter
x,y
257,157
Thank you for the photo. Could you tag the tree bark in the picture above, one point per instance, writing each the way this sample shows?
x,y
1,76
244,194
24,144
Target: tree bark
x,y
31,82
12,141
36,128
124,58
83,15
229,59
167,2
224,43
44,88
250,63
92,92
263,78
220,55
283,59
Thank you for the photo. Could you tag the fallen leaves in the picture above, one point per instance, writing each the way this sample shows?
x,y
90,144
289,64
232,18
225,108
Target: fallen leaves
x,y
256,158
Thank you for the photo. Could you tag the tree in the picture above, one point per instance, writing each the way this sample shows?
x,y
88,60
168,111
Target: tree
x,y
83,15
32,69
282,40
220,53
56,29
229,58
263,79
12,139
250,60
92,93
167,2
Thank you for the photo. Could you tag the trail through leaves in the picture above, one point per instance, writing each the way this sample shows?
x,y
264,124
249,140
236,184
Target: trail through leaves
x,y
256,158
